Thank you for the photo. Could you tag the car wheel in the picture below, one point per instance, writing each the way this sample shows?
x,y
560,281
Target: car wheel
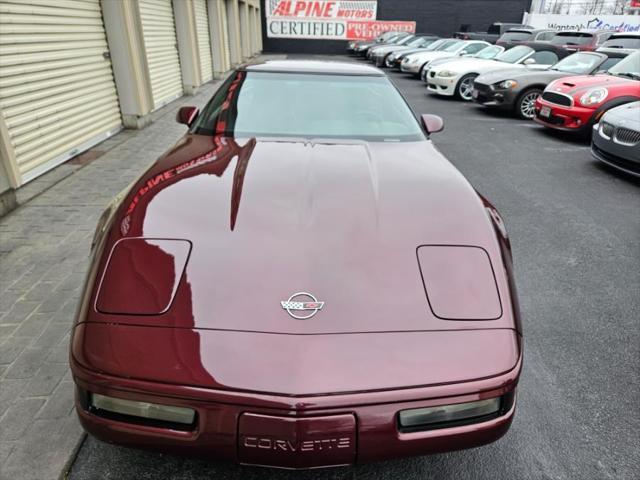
x,y
388,62
421,72
526,103
464,89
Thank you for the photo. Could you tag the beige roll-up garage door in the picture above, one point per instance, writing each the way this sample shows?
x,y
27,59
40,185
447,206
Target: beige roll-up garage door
x,y
57,93
226,46
161,47
204,41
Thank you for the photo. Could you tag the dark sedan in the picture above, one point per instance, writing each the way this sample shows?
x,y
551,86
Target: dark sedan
x,y
518,90
303,280
616,139
518,36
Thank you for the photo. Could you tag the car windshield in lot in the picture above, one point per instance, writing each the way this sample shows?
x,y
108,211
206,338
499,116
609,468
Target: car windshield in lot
x,y
417,42
516,36
622,42
572,38
447,44
270,104
628,67
488,52
452,47
578,63
515,54
407,40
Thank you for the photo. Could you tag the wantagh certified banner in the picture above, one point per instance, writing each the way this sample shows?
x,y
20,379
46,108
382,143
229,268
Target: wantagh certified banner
x,y
619,23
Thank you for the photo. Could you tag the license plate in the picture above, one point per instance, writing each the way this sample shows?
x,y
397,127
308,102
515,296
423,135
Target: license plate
x,y
545,112
474,94
290,442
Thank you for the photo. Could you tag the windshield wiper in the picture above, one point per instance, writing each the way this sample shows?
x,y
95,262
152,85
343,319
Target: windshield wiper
x,y
633,76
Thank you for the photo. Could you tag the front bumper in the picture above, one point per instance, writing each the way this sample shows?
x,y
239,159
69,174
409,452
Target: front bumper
x,y
442,85
488,96
411,67
570,119
625,158
295,432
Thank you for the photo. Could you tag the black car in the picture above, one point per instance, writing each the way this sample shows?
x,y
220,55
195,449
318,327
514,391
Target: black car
x,y
518,90
518,36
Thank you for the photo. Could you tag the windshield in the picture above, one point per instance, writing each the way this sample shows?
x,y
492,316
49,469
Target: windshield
x,y
572,38
451,46
545,36
398,39
622,42
405,40
628,67
270,104
515,36
578,63
488,52
417,42
514,54
435,45
386,36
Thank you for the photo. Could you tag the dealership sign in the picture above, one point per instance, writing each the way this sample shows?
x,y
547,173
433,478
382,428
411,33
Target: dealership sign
x,y
619,23
325,9
328,20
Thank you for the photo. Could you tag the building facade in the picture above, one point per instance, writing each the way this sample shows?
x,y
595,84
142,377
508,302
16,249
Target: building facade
x,y
75,72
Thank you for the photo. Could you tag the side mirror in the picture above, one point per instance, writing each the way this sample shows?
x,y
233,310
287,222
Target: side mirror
x,y
529,61
464,53
187,115
432,123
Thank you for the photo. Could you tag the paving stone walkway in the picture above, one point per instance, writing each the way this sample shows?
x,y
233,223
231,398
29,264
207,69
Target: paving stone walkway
x,y
44,247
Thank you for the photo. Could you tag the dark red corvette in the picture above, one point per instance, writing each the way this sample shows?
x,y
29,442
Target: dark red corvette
x,y
302,281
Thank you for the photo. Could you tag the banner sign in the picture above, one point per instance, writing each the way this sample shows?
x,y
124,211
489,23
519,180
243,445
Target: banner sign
x,y
620,23
323,9
369,30
328,20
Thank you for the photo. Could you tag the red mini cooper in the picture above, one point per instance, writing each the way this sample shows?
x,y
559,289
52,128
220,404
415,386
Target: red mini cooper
x,y
577,103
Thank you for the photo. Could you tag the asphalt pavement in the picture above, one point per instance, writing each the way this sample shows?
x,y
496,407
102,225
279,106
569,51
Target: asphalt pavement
x,y
575,232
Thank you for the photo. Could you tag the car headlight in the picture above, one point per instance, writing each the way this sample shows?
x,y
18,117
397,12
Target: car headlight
x,y
151,411
594,96
425,417
447,74
508,84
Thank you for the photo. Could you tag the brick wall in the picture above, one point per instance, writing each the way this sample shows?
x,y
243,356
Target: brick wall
x,y
442,17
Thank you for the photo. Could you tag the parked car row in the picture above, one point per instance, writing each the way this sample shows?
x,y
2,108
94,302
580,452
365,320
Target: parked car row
x,y
583,82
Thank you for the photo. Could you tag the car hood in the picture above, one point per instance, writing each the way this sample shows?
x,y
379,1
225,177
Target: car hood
x,y
579,84
524,76
389,48
476,65
394,49
627,115
430,55
268,218
411,51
